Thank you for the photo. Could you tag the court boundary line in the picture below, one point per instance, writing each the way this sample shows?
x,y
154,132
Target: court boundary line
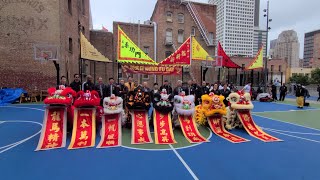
x,y
12,145
293,132
298,137
184,163
286,122
291,110
24,108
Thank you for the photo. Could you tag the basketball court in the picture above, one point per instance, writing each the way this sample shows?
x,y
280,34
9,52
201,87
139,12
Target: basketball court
x,y
294,158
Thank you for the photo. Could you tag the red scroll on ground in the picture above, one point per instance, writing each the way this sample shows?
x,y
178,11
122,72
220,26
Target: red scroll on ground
x,y
190,130
84,128
140,133
54,127
253,130
110,131
217,126
163,128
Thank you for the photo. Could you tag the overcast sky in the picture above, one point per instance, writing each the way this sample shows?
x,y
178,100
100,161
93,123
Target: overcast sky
x,y
299,15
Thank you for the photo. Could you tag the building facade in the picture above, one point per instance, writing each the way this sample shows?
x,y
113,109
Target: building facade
x,y
259,40
310,48
24,24
287,47
235,26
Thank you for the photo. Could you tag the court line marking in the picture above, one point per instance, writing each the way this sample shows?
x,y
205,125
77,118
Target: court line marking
x,y
23,108
8,147
295,136
293,132
184,163
286,122
185,147
289,110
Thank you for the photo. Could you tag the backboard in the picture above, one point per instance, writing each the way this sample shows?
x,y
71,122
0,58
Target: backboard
x,y
45,52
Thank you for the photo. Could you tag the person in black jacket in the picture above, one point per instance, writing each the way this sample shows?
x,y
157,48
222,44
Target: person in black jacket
x,y
166,86
215,89
178,89
318,89
111,88
283,92
225,92
300,96
88,85
100,88
204,88
63,82
76,84
274,92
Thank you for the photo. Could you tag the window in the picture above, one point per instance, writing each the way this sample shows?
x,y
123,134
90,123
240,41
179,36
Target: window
x,y
193,31
211,37
145,76
272,67
169,16
168,53
169,36
83,7
70,6
146,49
280,68
70,45
180,18
180,36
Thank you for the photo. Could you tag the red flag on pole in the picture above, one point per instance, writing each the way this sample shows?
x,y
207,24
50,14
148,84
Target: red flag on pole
x,y
105,29
226,61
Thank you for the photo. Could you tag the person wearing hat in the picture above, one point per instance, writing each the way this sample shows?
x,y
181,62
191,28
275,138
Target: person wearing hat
x,y
166,86
300,96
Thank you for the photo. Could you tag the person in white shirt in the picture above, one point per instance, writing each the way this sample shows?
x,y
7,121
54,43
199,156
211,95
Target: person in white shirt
x,y
247,88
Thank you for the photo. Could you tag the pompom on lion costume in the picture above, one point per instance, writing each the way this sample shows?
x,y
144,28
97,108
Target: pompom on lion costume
x,y
238,101
61,96
211,104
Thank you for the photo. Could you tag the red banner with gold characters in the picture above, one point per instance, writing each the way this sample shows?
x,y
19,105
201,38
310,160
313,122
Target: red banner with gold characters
x,y
54,129
148,69
190,130
253,130
140,133
217,126
84,128
181,57
110,131
163,132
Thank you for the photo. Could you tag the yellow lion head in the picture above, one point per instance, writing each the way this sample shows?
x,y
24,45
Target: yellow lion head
x,y
211,104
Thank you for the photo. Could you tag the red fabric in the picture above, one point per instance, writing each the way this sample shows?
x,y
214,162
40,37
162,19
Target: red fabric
x,y
226,61
181,56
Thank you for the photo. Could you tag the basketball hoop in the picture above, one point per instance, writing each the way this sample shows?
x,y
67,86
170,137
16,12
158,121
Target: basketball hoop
x,y
43,58
45,52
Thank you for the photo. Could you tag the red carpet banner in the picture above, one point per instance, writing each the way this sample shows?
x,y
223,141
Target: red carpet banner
x,y
140,133
163,128
84,128
217,126
111,131
249,125
54,128
190,130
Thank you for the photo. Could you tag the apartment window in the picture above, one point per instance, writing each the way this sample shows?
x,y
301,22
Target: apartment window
x,y
180,36
211,37
272,67
193,31
180,18
280,68
145,76
169,36
168,53
70,45
70,6
146,49
169,16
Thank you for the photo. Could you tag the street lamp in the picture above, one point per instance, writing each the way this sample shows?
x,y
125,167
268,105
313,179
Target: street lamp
x,y
266,11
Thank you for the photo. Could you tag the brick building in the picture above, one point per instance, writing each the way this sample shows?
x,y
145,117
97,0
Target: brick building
x,y
26,23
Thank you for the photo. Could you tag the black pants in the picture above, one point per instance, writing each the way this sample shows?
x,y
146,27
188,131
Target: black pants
x,y
282,96
318,97
274,96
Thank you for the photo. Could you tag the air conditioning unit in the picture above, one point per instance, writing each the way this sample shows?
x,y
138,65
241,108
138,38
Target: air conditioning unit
x,y
168,42
186,69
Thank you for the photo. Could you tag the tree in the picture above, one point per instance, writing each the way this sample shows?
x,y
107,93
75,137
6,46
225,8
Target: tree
x,y
300,79
315,75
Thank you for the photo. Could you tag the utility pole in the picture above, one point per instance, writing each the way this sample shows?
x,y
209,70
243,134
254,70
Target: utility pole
x,y
266,58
